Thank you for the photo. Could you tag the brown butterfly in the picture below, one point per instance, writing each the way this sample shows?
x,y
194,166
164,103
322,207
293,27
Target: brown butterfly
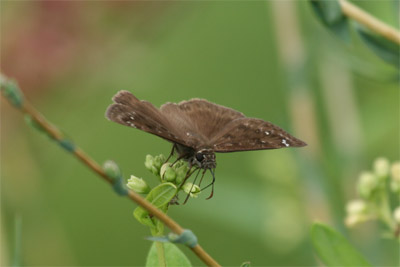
x,y
199,128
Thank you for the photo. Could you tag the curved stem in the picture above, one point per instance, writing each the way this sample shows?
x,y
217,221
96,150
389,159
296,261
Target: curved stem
x,y
370,21
56,134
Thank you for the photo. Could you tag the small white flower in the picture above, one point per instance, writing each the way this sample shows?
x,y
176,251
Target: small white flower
x,y
356,207
395,175
381,167
356,212
138,185
352,220
164,168
366,184
149,162
191,188
395,171
396,215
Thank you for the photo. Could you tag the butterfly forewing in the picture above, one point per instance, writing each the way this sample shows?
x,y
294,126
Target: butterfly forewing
x,y
128,110
253,134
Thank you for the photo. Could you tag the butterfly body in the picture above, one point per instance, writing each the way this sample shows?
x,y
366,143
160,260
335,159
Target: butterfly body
x,y
203,158
199,128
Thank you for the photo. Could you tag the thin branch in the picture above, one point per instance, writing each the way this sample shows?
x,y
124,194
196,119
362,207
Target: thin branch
x,y
366,19
56,134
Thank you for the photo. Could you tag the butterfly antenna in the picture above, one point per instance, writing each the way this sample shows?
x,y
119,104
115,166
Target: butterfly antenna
x,y
194,181
212,184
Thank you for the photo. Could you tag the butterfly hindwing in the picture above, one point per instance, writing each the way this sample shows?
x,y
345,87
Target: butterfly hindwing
x,y
200,119
253,134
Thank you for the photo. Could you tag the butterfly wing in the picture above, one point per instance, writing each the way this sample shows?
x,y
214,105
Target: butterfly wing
x,y
199,119
130,111
198,123
253,134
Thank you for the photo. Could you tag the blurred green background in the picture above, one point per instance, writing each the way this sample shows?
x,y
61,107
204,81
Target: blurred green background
x,y
271,60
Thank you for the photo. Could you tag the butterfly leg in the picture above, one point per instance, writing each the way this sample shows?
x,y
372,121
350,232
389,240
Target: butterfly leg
x,y
191,188
188,174
172,152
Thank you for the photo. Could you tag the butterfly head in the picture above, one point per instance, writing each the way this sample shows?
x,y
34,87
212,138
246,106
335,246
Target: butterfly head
x,y
204,159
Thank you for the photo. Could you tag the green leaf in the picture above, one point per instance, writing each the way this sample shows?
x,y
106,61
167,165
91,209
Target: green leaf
x,y
159,196
331,15
385,49
333,249
173,256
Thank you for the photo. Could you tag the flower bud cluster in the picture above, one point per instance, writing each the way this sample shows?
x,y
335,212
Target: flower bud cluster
x,y
175,173
374,189
153,164
167,172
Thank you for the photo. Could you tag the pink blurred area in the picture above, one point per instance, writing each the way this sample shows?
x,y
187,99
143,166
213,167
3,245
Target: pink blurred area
x,y
42,44
43,40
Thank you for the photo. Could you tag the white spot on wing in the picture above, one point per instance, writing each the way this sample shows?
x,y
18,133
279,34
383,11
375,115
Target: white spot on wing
x,y
131,124
267,133
285,142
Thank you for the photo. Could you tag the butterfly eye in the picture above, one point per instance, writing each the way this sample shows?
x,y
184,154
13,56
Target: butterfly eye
x,y
199,157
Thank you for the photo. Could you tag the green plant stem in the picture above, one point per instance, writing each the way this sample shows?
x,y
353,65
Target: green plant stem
x,y
372,23
57,135
385,212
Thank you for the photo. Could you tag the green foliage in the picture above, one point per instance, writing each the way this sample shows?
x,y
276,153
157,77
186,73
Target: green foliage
x,y
331,15
164,49
173,256
170,178
333,249
159,196
383,48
